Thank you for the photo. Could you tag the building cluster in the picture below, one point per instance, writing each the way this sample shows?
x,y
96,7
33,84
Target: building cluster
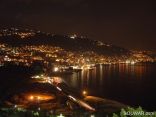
x,y
50,56
17,32
143,56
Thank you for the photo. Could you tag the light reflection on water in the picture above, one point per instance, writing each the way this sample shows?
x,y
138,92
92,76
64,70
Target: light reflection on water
x,y
130,84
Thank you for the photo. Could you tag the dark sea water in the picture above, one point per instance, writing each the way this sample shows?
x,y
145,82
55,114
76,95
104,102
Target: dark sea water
x,y
134,85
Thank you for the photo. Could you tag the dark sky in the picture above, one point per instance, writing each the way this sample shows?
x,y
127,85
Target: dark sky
x,y
127,23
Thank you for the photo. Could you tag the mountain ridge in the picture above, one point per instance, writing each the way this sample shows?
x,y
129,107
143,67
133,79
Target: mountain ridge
x,y
18,37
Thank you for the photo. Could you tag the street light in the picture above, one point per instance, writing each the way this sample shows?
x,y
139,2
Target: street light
x,y
38,97
84,93
31,97
60,115
92,116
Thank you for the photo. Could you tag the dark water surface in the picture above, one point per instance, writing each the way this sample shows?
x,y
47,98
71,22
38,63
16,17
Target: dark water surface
x,y
130,84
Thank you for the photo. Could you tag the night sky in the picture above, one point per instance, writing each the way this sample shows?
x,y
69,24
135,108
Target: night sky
x,y
127,23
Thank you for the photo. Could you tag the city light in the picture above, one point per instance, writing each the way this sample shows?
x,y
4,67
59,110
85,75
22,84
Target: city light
x,y
128,61
56,69
60,115
73,36
132,62
31,97
38,97
97,58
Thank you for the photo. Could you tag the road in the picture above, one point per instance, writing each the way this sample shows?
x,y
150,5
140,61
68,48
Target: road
x,y
80,102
